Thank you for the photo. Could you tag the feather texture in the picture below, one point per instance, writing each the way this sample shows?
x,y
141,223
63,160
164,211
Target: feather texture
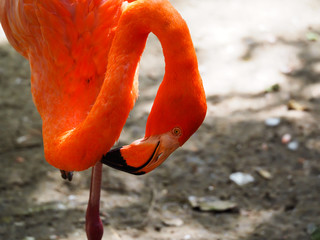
x,y
84,57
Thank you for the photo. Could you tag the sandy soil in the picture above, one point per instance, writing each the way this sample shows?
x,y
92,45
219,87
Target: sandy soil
x,y
244,48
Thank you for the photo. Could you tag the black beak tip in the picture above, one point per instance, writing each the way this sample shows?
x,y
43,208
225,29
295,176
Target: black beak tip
x,y
114,159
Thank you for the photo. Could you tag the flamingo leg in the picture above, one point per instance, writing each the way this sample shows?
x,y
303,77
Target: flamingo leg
x,y
94,227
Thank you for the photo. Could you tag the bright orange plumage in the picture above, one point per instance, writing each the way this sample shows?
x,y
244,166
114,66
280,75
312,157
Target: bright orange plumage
x,y
84,57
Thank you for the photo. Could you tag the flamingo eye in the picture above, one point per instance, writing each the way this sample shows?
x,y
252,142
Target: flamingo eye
x,y
176,131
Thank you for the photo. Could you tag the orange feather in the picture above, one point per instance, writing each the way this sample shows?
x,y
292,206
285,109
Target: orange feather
x,y
84,57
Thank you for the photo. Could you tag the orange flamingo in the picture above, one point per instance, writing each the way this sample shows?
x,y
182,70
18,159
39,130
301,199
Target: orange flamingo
x,y
84,57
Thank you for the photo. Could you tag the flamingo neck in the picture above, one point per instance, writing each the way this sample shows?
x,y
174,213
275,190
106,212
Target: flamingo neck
x,y
181,68
84,145
137,21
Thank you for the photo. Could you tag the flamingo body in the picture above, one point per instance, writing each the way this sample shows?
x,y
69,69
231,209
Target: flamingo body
x,y
84,59
67,44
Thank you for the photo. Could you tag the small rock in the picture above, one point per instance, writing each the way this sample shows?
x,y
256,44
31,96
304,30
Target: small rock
x,y
28,141
286,70
187,237
20,159
172,222
286,138
217,206
61,206
293,146
18,80
22,139
19,224
272,122
71,197
264,173
264,147
211,203
294,105
193,201
241,178
29,238
25,119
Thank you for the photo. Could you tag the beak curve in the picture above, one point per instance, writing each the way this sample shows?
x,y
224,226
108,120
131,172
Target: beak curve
x,y
141,156
115,160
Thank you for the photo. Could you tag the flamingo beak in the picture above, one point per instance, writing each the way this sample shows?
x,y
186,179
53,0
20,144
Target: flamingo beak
x,y
142,156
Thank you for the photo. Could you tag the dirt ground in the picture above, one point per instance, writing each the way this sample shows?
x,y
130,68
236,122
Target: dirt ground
x,y
244,48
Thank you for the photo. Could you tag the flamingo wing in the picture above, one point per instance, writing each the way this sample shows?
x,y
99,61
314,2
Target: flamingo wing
x,y
67,44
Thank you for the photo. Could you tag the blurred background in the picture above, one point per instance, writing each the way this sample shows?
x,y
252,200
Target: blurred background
x,y
251,171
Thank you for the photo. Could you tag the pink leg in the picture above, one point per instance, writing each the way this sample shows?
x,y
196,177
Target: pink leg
x,y
94,227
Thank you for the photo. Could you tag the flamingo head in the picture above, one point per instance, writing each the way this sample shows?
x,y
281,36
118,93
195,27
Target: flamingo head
x,y
176,114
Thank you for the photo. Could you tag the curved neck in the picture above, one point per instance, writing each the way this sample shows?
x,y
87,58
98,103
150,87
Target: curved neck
x,y
103,125
181,68
137,21
159,17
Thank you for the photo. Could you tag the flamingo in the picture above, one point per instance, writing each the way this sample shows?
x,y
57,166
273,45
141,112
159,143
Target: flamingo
x,y
84,58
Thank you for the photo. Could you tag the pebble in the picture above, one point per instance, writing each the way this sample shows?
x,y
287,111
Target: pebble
x,y
21,139
211,203
264,173
217,206
293,146
264,146
193,200
18,80
286,70
173,222
25,119
71,197
272,122
186,237
20,159
27,141
29,238
286,138
61,206
19,224
241,178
